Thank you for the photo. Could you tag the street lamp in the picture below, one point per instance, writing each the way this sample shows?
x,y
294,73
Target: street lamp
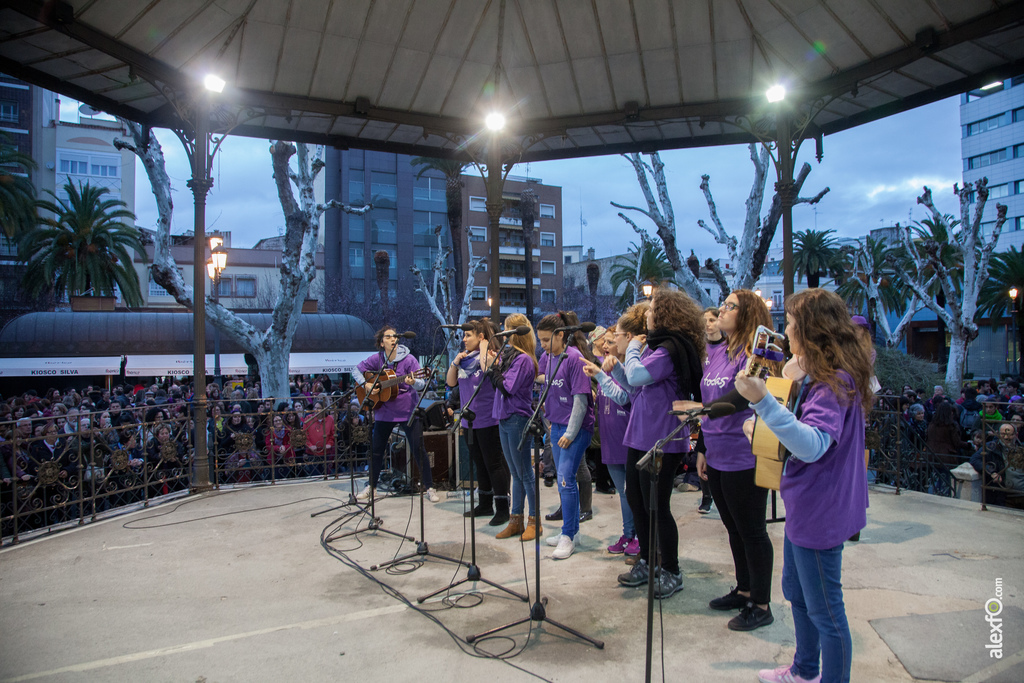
x,y
1013,323
648,289
214,267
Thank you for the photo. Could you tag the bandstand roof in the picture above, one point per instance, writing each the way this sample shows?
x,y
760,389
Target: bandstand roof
x,y
578,78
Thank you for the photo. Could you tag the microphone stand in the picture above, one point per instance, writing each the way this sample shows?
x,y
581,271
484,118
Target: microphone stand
x,y
538,612
350,449
422,548
376,523
472,569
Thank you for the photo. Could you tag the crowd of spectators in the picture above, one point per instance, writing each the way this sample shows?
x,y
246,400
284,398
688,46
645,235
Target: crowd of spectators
x,y
69,453
983,426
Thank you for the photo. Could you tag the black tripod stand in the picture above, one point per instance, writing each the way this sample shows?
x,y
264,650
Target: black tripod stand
x,y
538,611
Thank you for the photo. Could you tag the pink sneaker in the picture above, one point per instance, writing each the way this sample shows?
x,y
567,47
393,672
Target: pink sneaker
x,y
619,546
783,675
633,548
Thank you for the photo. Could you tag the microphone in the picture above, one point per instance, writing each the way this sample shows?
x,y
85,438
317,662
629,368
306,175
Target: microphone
x,y
582,327
466,327
522,329
407,335
715,410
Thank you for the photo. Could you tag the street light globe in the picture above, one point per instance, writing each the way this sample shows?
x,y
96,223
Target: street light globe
x,y
1014,292
216,242
495,121
647,289
211,270
214,83
776,93
757,291
768,303
220,259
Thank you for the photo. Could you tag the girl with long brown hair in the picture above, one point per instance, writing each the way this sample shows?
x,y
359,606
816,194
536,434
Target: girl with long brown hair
x,y
513,374
669,369
823,484
467,373
728,463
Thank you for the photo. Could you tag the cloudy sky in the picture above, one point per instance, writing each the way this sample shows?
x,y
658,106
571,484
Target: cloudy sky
x,y
875,173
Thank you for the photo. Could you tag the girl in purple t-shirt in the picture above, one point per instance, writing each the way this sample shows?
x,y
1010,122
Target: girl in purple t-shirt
x,y
823,484
467,373
569,407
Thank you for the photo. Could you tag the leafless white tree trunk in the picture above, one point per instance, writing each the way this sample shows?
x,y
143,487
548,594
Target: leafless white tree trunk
x,y
438,294
270,347
746,253
968,267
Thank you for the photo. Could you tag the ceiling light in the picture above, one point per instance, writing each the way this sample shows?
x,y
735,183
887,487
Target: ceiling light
x,y
495,121
214,83
993,84
776,93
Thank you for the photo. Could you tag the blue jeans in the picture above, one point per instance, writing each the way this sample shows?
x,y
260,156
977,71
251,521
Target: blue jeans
x,y
567,462
511,430
618,475
811,581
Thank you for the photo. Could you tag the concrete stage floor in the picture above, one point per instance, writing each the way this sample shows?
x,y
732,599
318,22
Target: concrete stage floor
x,y
235,586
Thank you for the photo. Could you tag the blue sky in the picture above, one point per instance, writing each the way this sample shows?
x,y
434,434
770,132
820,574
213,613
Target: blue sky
x,y
875,173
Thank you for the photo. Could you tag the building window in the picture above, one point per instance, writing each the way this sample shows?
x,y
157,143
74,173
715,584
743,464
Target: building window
x,y
423,225
429,189
547,210
547,296
482,268
74,165
479,294
998,191
1018,115
224,287
568,259
104,170
1018,151
547,267
356,186
245,287
987,227
383,190
478,234
1018,187
384,226
423,257
1017,223
356,228
355,262
477,204
9,112
983,160
985,124
547,239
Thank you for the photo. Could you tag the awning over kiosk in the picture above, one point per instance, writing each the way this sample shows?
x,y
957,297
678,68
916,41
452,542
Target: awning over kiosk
x,y
60,367
323,363
159,365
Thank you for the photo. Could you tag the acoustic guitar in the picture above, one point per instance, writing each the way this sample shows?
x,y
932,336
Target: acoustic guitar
x,y
387,385
770,453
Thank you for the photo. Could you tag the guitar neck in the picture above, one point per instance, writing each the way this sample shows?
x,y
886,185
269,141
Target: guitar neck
x,y
384,384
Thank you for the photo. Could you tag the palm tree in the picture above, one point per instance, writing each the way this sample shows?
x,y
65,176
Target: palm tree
x,y
814,255
452,171
893,293
645,263
1005,270
17,193
85,245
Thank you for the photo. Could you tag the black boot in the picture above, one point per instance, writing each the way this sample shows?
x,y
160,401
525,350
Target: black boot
x,y
483,508
500,511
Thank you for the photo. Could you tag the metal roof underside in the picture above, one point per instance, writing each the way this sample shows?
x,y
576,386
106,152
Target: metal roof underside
x,y
579,77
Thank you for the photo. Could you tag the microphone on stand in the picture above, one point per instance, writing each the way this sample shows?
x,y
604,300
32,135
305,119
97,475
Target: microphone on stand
x,y
582,327
522,329
715,410
466,327
408,335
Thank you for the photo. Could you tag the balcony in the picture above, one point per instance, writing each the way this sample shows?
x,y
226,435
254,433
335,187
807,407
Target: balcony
x,y
517,280
512,250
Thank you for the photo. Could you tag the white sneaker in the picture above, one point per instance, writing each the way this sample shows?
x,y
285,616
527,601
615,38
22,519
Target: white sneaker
x,y
565,548
553,540
364,495
432,496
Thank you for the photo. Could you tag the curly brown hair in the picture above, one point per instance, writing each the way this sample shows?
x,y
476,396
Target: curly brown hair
x,y
829,342
634,320
751,313
378,336
674,310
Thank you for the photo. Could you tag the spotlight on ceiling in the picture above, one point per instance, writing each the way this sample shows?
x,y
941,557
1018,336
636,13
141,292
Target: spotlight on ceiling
x,y
776,93
993,84
214,83
495,121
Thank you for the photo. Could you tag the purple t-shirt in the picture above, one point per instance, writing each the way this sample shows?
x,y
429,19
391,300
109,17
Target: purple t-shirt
x,y
649,419
612,420
483,404
827,500
399,408
518,382
569,381
727,447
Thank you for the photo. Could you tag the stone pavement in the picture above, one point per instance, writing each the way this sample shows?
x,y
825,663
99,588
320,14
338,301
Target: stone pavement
x,y
235,586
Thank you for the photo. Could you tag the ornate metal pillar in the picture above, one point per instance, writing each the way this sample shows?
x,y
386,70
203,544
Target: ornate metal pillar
x,y
495,204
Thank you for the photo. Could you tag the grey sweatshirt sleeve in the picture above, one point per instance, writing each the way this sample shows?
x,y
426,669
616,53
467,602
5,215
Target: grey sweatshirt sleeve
x,y
636,374
579,411
611,389
803,441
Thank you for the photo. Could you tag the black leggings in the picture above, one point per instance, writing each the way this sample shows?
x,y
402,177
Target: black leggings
x,y
638,495
414,436
741,504
492,474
